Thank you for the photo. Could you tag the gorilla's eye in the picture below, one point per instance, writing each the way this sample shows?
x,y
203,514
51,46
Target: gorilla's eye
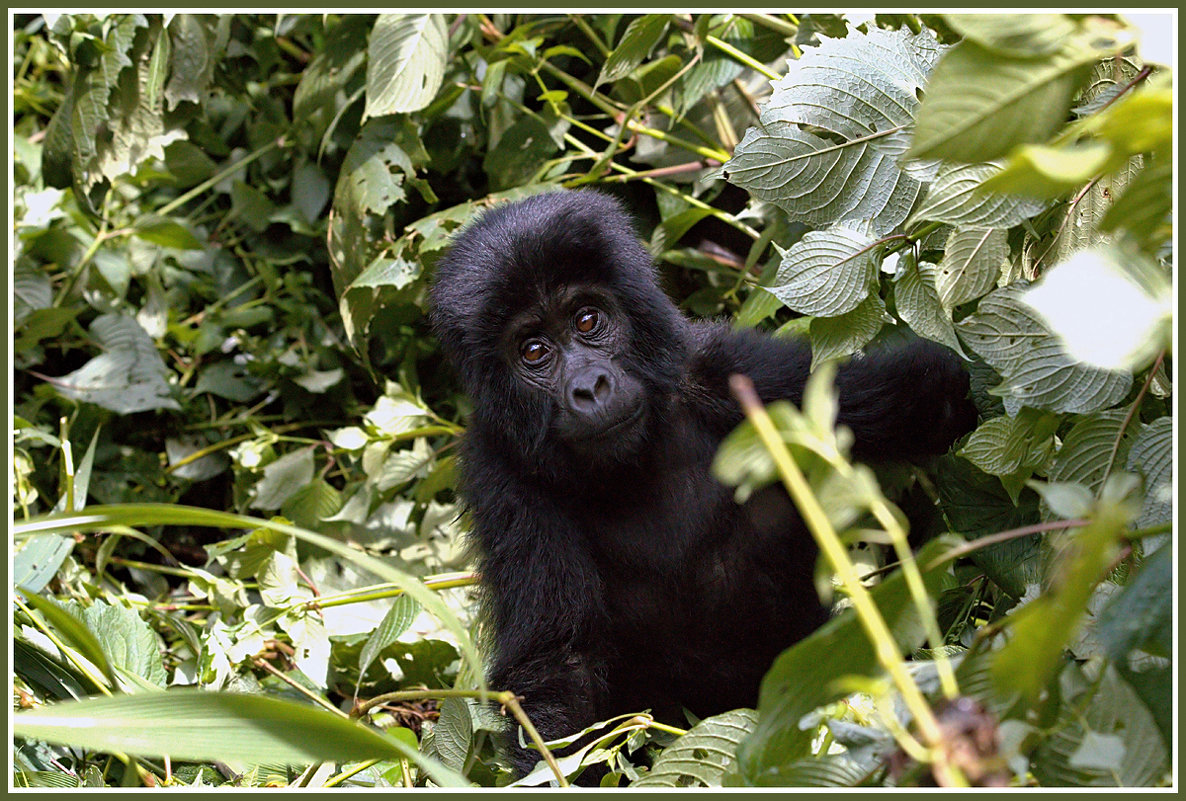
x,y
587,320
533,351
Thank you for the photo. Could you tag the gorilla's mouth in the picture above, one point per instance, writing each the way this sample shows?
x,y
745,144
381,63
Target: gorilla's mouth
x,y
613,428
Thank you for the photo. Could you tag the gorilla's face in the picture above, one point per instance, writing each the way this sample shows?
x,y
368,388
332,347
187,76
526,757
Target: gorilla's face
x,y
572,347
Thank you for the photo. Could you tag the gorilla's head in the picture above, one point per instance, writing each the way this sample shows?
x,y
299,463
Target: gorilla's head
x,y
550,310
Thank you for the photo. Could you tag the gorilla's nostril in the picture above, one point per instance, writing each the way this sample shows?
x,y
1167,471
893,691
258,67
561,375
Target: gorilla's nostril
x,y
601,388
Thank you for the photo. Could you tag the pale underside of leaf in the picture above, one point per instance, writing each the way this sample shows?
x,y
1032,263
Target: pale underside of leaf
x,y
1153,455
834,337
406,63
919,306
862,91
972,264
826,273
1036,370
1087,449
955,197
703,753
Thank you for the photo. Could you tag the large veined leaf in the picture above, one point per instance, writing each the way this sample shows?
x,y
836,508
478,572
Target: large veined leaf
x,y
980,104
829,142
826,273
1037,371
1152,455
1086,451
1003,445
701,757
406,62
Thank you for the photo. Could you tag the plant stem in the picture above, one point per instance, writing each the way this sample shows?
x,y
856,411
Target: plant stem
x,y
379,592
741,57
1132,410
181,200
263,664
334,781
773,23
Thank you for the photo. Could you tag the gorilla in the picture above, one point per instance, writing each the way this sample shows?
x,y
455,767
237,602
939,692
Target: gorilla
x,y
619,574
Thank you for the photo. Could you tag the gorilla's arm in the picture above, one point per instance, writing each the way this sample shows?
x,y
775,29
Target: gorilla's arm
x,y
544,598
905,401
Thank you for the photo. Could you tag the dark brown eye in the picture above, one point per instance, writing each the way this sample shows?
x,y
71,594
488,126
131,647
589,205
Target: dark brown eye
x,y
587,320
533,351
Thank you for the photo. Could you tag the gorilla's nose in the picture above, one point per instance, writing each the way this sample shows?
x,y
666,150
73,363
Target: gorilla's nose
x,y
590,390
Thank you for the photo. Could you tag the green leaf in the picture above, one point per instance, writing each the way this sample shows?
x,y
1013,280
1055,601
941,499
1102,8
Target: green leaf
x,y
1042,171
956,197
74,632
229,380
1080,749
399,616
980,104
197,40
831,137
1143,208
37,560
198,726
57,154
129,643
833,770
128,377
406,63
636,44
758,305
1021,35
1066,500
310,505
827,273
167,233
1037,372
701,757
844,334
805,676
251,206
522,148
978,505
370,182
1087,449
1004,445
1141,615
310,190
1141,122
453,733
1041,629
282,478
972,264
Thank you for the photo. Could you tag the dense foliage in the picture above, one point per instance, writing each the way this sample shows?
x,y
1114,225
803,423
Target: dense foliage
x,y
238,552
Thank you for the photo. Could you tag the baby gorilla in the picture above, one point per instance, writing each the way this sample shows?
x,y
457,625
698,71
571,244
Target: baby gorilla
x,y
619,574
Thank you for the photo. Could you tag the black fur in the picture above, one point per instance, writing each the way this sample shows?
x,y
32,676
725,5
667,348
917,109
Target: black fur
x,y
628,578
